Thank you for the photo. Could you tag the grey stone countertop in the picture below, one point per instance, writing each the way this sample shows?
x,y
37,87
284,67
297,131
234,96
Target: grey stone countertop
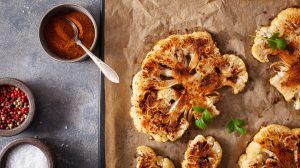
x,y
67,94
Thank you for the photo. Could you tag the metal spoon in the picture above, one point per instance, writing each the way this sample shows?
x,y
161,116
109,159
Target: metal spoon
x,y
106,70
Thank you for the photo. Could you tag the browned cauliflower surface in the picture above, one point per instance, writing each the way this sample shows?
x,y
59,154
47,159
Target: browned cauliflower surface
x,y
286,80
273,146
202,153
180,72
146,158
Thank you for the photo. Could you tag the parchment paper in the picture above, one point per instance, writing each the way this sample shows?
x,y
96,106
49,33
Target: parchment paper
x,y
134,26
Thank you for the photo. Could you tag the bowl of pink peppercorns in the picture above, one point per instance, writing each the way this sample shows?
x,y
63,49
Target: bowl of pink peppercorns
x,y
17,106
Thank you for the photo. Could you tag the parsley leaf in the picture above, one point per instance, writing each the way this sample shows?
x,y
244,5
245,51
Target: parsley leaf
x,y
274,36
236,124
205,117
280,43
199,109
272,44
200,124
242,131
275,42
230,127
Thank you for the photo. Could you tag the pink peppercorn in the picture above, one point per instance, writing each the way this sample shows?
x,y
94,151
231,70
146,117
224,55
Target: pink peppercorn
x,y
14,106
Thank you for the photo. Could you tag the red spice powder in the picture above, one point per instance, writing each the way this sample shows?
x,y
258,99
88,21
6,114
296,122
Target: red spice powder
x,y
59,34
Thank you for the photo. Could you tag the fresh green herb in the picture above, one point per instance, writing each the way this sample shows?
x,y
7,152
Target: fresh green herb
x,y
205,117
201,124
199,109
236,124
275,42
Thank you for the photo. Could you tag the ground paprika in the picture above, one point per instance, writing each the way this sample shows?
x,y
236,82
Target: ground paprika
x,y
59,34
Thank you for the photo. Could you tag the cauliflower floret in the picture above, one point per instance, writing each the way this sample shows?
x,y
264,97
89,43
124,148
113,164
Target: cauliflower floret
x,y
202,153
146,158
287,80
181,71
290,93
272,146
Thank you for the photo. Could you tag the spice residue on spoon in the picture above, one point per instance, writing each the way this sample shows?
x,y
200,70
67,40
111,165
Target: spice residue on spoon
x,y
26,156
59,34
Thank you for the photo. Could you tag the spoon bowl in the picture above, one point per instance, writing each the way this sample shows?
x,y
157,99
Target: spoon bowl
x,y
109,73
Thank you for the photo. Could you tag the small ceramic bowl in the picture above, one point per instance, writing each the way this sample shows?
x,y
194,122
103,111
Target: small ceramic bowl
x,y
59,10
27,121
31,141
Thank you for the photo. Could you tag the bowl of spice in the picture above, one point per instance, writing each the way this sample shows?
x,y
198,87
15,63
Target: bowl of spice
x,y
56,34
17,106
26,153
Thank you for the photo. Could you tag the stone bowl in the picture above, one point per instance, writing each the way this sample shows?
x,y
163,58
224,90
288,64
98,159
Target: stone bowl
x,y
61,9
28,93
26,140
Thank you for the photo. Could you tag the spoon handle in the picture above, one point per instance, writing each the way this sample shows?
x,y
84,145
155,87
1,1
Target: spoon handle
x,y
106,70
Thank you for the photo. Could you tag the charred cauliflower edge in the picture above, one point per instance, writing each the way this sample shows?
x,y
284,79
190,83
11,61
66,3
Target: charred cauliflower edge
x,y
202,153
286,80
180,72
273,146
146,158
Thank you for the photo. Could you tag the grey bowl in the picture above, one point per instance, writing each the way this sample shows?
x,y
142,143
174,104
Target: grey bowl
x,y
27,140
28,120
61,9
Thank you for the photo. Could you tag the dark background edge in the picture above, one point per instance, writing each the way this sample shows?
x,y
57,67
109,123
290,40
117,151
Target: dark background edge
x,y
101,118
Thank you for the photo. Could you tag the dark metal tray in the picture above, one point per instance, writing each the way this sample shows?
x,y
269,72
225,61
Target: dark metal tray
x,y
101,120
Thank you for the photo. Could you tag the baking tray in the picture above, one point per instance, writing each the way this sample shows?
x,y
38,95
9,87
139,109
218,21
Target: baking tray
x,y
132,17
101,117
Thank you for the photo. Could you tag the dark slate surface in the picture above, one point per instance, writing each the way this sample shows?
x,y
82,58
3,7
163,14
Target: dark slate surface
x,y
67,93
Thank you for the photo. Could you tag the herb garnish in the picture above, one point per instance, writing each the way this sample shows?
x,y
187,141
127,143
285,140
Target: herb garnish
x,y
205,117
236,124
275,42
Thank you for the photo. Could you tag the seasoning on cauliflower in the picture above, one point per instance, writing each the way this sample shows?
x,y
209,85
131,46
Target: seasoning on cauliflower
x,y
273,146
180,72
146,158
286,81
202,153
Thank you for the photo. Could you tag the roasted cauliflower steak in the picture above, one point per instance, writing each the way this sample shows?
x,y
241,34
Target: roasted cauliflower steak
x,y
286,80
202,153
273,146
180,72
146,158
